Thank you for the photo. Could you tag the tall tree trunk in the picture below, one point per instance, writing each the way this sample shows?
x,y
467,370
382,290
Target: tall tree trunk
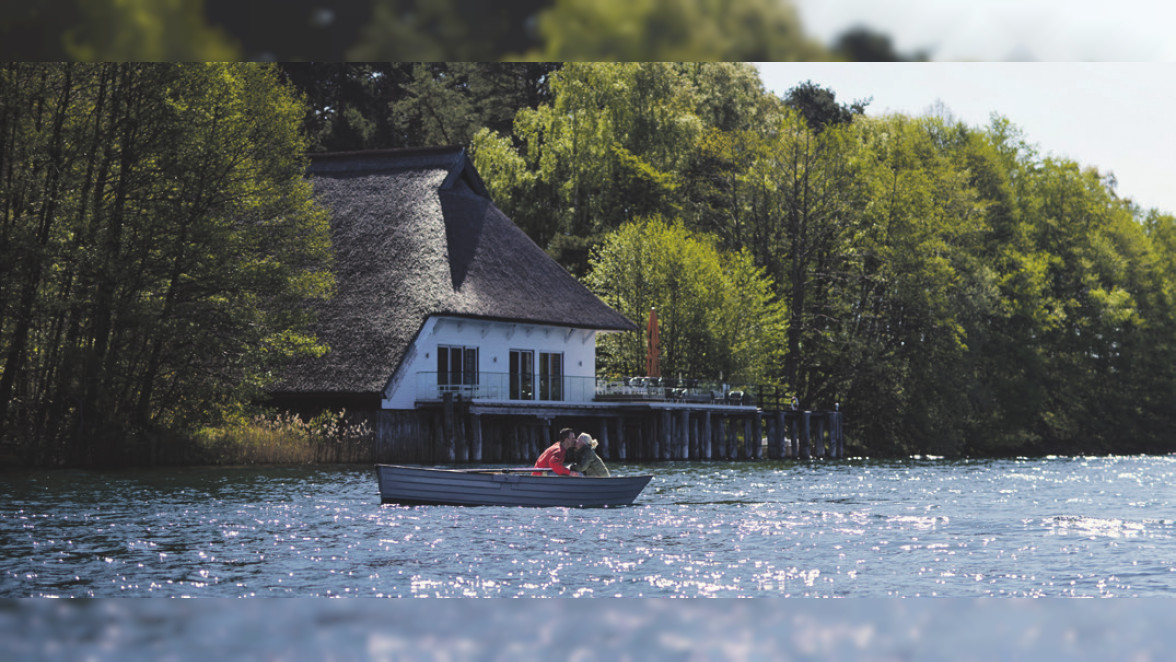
x,y
94,381
64,395
35,257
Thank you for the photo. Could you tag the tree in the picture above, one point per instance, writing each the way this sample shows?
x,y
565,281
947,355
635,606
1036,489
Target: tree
x,y
719,317
819,107
388,105
862,44
169,246
612,146
918,288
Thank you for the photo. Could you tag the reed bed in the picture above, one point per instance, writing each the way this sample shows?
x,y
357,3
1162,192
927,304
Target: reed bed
x,y
286,438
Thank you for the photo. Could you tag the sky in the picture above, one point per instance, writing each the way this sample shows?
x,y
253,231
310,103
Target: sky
x,y
991,30
1114,116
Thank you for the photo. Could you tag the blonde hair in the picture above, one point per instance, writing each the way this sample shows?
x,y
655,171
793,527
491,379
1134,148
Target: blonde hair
x,y
587,440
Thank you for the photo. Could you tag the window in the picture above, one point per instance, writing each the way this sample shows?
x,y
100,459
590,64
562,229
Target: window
x,y
457,369
522,374
550,376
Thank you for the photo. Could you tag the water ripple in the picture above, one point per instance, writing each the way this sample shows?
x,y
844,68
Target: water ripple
x,y
924,527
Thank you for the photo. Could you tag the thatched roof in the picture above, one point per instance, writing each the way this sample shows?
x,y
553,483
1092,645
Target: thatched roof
x,y
415,234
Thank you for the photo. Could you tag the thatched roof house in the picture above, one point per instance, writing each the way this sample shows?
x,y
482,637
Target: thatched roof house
x,y
436,284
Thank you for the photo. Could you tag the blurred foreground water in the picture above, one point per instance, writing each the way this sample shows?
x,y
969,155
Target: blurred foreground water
x,y
620,630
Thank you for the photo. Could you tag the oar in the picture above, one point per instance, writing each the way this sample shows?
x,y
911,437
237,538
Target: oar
x,y
511,470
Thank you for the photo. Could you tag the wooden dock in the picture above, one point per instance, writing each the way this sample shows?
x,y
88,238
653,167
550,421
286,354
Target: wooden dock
x,y
462,431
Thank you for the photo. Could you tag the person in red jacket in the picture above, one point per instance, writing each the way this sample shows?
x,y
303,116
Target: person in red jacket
x,y
553,457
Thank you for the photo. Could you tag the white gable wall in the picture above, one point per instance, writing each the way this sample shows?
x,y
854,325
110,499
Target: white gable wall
x,y
417,378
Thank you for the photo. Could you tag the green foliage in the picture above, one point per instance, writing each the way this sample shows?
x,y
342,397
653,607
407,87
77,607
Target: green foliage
x,y
648,30
403,104
819,106
159,238
612,145
719,318
407,30
434,30
661,30
954,290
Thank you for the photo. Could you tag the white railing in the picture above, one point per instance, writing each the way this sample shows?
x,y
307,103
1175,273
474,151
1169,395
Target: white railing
x,y
499,386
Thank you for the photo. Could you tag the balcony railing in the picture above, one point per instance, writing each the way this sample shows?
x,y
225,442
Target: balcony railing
x,y
503,386
665,389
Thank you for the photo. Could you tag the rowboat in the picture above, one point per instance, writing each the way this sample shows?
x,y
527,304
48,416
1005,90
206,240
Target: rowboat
x,y
503,487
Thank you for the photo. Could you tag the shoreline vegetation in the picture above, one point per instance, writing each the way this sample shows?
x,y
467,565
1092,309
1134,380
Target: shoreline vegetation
x,y
286,438
264,437
957,289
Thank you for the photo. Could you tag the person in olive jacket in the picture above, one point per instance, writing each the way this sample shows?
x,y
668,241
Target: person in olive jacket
x,y
584,457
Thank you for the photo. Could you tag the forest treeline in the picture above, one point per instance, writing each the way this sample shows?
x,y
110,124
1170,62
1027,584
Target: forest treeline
x,y
954,288
422,30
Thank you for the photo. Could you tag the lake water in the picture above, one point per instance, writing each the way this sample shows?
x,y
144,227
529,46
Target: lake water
x,y
1054,527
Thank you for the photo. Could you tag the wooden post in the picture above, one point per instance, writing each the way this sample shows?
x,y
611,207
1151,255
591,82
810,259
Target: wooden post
x,y
491,441
794,441
833,452
622,453
665,435
476,437
732,438
786,435
652,431
694,450
638,442
718,438
669,435
461,442
684,435
649,446
672,434
606,449
547,438
739,452
805,441
749,439
757,428
447,436
820,421
781,429
705,442
841,432
840,435
769,426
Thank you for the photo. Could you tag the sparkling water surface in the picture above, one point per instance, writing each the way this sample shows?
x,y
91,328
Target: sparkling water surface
x,y
1052,527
